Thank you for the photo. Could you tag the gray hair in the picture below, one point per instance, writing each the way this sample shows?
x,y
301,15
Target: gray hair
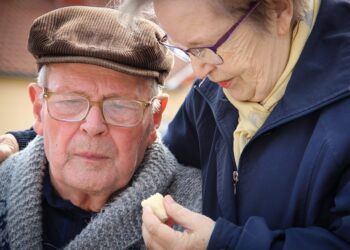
x,y
155,88
42,76
227,7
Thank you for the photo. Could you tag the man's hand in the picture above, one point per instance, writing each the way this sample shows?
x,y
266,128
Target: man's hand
x,y
157,235
8,146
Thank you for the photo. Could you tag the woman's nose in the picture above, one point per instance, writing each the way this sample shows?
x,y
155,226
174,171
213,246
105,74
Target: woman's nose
x,y
201,69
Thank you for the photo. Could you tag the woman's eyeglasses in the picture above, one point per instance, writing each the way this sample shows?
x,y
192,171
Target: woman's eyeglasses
x,y
208,54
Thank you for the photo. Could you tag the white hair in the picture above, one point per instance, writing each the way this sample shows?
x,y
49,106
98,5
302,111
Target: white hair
x,y
143,8
155,90
42,76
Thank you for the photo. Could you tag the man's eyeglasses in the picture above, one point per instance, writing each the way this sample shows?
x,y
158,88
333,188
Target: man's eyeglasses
x,y
208,54
72,107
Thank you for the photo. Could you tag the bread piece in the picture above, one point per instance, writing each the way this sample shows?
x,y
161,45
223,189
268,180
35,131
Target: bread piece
x,y
156,203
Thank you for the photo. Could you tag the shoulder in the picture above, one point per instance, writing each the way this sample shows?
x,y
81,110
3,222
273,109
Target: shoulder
x,y
20,163
7,168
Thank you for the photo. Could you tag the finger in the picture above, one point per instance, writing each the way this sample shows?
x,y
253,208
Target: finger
x,y
150,221
8,146
155,232
5,151
149,243
179,214
9,140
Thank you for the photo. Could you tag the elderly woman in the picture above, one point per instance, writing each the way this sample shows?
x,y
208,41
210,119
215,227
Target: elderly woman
x,y
267,122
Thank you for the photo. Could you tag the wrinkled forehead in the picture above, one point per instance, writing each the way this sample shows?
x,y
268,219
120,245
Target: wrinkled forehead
x,y
190,23
95,80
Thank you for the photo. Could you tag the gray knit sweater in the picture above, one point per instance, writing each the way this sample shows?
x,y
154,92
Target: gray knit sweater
x,y
117,226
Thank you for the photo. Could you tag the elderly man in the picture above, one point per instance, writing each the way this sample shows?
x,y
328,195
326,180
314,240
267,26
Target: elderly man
x,y
97,105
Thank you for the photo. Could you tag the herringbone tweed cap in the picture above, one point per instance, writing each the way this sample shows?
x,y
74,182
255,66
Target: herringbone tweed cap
x,y
99,36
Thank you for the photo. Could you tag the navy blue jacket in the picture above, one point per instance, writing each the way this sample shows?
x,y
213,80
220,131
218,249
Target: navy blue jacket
x,y
294,175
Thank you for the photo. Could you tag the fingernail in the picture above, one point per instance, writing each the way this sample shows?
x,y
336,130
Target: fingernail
x,y
169,199
147,209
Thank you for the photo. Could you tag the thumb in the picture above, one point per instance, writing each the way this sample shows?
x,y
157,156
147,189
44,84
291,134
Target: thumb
x,y
179,214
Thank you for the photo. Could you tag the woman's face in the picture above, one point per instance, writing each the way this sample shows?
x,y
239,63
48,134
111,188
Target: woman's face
x,y
253,58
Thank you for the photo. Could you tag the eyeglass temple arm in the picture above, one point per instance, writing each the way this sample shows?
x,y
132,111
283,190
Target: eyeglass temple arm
x,y
229,32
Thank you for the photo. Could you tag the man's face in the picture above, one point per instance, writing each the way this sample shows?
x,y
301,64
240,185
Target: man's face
x,y
91,156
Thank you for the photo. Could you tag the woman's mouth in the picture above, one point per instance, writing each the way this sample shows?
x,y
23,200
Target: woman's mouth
x,y
224,84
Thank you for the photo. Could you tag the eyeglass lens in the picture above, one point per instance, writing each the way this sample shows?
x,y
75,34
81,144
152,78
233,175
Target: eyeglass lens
x,y
73,108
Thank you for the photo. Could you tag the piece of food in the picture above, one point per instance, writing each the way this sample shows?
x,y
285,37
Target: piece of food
x,y
156,203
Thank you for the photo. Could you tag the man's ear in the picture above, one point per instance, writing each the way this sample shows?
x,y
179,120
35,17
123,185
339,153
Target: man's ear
x,y
282,14
157,117
34,93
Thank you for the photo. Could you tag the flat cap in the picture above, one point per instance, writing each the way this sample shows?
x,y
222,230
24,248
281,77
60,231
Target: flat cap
x,y
100,36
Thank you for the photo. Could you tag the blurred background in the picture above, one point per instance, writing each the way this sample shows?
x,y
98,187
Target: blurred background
x,y
18,68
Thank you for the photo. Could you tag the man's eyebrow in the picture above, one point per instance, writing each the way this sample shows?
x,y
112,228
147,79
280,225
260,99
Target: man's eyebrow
x,y
113,95
106,96
68,90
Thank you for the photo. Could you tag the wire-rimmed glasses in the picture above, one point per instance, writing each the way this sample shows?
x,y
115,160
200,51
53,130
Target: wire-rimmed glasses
x,y
73,107
208,54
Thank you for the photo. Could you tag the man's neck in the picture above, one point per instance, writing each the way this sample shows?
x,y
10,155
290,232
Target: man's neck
x,y
93,202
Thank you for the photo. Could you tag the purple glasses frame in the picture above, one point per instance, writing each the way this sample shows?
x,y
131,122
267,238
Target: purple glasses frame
x,y
197,50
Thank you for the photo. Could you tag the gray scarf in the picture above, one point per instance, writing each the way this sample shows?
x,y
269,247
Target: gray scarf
x,y
116,226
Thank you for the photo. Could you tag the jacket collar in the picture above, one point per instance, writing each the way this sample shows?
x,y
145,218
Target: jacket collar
x,y
225,114
322,74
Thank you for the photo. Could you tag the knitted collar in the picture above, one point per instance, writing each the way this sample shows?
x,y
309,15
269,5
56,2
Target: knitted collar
x,y
117,226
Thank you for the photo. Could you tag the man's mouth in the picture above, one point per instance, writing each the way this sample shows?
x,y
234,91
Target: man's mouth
x,y
92,156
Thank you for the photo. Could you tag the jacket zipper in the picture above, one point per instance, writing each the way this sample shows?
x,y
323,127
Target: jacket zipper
x,y
235,177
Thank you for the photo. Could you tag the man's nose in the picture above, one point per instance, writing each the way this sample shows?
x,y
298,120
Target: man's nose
x,y
200,68
94,123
